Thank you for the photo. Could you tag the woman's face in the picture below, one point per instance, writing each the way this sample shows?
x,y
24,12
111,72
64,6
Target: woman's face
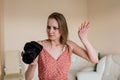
x,y
53,29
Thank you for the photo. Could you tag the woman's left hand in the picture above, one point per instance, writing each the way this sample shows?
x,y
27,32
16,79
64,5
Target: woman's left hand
x,y
83,29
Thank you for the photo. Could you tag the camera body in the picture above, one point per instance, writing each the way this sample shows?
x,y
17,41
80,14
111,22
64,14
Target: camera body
x,y
31,51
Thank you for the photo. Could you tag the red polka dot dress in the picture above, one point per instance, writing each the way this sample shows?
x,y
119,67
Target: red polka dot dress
x,y
52,69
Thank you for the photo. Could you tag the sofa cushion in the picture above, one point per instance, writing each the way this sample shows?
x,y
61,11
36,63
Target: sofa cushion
x,y
112,68
116,58
88,68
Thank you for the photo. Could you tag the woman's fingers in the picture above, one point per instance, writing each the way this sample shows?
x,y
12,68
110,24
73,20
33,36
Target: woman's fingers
x,y
84,26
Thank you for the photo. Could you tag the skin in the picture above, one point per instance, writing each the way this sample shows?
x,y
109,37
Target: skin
x,y
53,45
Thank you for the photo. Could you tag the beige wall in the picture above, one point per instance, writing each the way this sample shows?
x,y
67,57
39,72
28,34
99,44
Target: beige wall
x,y
1,35
105,18
25,20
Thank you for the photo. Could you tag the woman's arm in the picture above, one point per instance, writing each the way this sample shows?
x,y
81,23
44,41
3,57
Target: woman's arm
x,y
89,53
29,74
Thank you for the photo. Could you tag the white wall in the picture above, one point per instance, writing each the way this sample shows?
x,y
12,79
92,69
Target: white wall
x,y
105,18
25,20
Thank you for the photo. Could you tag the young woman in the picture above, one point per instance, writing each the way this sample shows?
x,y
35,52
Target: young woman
x,y
55,58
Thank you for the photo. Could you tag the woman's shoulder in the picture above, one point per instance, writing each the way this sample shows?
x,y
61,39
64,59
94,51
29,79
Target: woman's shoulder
x,y
71,44
42,42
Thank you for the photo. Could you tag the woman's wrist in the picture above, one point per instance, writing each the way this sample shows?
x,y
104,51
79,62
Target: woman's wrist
x,y
84,39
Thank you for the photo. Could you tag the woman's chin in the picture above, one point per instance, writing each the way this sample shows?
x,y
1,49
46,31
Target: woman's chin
x,y
51,39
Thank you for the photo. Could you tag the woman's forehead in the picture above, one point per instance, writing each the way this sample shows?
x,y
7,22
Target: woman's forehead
x,y
52,22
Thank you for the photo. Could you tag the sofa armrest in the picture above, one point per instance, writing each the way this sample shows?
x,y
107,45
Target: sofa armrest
x,y
101,65
92,75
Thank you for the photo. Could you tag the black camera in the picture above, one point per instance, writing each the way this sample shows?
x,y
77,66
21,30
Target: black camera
x,y
31,51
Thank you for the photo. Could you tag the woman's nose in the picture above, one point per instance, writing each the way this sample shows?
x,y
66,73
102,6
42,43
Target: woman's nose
x,y
51,30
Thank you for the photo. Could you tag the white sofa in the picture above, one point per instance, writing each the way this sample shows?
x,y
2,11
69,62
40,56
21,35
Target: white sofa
x,y
107,69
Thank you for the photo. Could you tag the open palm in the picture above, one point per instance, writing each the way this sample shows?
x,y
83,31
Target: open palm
x,y
83,29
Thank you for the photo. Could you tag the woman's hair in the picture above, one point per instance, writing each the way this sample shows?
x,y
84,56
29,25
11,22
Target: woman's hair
x,y
62,26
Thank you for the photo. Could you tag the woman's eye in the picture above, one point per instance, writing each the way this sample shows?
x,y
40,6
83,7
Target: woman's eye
x,y
55,28
48,27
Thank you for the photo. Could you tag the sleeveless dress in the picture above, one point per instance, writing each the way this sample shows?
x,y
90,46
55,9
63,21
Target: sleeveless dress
x,y
52,69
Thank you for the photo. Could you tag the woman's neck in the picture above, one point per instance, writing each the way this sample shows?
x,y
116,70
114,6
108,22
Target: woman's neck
x,y
54,43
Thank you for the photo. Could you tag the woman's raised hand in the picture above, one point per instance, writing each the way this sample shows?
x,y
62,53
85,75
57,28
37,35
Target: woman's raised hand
x,y
83,29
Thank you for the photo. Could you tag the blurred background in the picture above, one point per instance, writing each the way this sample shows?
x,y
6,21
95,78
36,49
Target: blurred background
x,y
25,20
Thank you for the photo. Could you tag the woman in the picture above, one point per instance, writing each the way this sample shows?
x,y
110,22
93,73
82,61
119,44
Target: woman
x,y
55,58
